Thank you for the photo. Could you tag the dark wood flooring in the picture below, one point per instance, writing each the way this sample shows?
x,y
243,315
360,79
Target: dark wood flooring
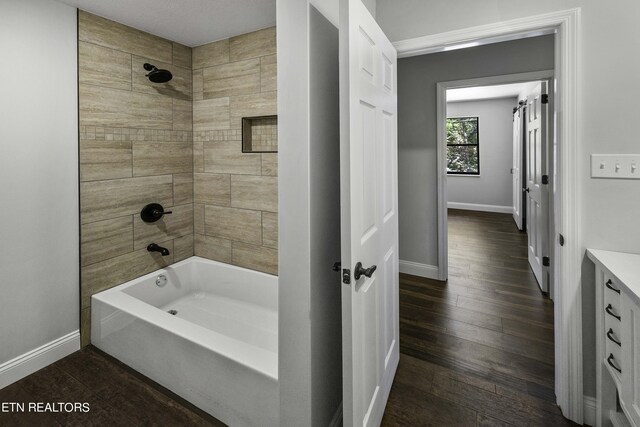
x,y
478,349
117,396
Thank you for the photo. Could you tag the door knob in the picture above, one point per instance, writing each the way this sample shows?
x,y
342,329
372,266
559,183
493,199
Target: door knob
x,y
361,271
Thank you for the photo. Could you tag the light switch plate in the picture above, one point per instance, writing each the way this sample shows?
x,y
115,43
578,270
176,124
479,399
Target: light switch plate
x,y
626,166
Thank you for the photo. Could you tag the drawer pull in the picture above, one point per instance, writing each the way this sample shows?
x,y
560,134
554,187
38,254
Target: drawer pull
x,y
608,284
610,360
610,336
610,312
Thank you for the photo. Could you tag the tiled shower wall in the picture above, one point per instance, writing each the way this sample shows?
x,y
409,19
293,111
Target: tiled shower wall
x,y
136,147
140,143
236,193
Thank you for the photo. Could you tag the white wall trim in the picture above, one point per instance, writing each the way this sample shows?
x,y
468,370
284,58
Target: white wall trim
x,y
336,420
417,269
34,360
568,299
478,207
589,412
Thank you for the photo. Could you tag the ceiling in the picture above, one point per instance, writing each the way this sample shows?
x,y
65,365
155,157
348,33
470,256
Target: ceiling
x,y
487,92
189,22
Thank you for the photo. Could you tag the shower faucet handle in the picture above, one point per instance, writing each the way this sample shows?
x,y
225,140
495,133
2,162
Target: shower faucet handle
x,y
153,212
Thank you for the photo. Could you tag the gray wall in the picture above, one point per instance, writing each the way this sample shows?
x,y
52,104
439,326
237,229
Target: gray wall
x,y
417,78
39,238
607,77
495,132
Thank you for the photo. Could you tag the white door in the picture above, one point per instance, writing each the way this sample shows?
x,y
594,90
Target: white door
x,y
516,170
369,214
537,194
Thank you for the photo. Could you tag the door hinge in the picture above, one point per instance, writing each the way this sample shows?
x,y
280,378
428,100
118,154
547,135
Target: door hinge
x,y
546,261
545,98
545,179
346,276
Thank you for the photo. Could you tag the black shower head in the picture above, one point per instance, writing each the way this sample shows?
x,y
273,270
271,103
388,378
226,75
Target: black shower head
x,y
156,75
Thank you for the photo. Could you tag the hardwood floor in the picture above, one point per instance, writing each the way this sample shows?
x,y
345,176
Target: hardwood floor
x,y
116,394
478,349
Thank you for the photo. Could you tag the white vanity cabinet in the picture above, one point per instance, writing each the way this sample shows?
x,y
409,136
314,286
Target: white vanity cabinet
x,y
617,337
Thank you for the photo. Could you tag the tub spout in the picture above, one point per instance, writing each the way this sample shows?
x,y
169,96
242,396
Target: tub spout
x,y
153,247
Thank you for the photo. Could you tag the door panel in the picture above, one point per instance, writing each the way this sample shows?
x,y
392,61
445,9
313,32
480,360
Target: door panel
x,y
369,206
537,197
516,170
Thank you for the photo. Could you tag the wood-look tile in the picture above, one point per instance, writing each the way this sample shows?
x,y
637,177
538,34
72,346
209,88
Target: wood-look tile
x,y
179,87
254,192
126,196
85,326
182,114
182,188
198,157
268,73
211,114
101,31
258,104
211,54
101,160
198,218
211,247
252,45
212,189
115,271
183,247
106,239
235,78
227,157
487,421
104,67
258,258
158,158
119,108
198,85
270,229
181,55
177,224
233,224
270,164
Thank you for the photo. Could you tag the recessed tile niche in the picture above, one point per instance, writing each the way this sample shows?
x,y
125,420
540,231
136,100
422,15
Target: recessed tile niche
x,y
260,134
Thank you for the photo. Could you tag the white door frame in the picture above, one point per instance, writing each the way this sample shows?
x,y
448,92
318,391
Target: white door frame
x,y
441,149
566,280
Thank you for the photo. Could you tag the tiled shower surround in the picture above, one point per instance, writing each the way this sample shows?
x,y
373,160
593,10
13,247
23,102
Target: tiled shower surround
x,y
174,143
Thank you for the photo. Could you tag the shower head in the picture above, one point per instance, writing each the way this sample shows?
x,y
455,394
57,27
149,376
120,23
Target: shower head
x,y
156,75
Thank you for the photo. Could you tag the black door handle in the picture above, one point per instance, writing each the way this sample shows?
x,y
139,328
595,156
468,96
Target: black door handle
x,y
608,284
610,312
527,189
361,271
610,336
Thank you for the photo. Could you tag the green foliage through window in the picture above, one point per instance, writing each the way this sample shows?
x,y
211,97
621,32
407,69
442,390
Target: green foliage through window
x,y
463,151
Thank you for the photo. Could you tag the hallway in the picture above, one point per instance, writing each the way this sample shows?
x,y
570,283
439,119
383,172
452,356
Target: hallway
x,y
477,350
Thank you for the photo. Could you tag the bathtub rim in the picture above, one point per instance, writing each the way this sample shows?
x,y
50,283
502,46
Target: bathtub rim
x,y
255,358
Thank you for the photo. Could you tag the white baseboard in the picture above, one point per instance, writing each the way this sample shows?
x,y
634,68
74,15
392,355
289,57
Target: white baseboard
x,y
482,208
337,417
34,360
589,411
417,269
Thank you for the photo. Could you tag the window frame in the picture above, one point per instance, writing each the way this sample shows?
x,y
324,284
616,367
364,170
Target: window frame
x,y
477,145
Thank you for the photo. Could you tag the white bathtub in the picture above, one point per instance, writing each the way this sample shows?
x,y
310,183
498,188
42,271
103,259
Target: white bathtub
x,y
219,352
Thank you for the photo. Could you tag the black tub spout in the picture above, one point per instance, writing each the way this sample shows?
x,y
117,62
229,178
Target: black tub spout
x,y
153,247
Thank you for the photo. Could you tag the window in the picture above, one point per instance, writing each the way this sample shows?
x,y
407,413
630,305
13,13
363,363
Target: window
x,y
463,151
